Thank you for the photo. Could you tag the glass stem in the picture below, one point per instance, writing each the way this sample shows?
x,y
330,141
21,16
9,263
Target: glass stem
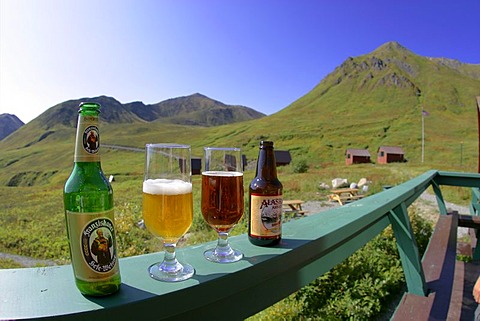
x,y
223,248
170,263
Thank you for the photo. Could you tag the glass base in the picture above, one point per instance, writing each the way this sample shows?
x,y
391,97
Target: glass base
x,y
230,256
181,272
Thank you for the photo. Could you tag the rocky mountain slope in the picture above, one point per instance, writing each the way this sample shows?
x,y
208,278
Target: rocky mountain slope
x,y
8,124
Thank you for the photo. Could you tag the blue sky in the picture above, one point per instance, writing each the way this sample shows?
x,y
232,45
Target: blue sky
x,y
263,54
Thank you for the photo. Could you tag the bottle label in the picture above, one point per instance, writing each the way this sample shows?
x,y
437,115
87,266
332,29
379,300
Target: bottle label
x,y
266,215
92,244
88,140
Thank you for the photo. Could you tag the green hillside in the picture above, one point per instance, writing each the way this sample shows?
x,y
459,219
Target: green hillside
x,y
376,99
368,101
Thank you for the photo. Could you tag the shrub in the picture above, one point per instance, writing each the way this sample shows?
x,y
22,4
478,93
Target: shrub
x,y
360,287
300,166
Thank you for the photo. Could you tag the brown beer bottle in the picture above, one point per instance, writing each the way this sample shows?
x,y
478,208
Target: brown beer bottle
x,y
265,195
88,201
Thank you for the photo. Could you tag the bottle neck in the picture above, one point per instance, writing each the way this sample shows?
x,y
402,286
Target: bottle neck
x,y
266,166
87,144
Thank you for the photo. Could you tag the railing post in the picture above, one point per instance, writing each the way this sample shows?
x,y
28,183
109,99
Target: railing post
x,y
440,201
474,205
408,250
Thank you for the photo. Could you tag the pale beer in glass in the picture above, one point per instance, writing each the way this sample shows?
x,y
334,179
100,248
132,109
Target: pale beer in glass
x,y
167,208
167,205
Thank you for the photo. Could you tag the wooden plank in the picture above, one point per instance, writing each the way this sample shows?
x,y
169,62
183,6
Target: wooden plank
x,y
357,197
413,308
469,221
292,202
455,305
438,264
341,199
439,259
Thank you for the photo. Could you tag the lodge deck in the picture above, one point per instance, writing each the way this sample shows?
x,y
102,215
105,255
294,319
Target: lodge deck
x,y
310,247
449,283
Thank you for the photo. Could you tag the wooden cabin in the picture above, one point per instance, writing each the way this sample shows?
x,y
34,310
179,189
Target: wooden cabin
x,y
357,156
196,165
390,154
282,157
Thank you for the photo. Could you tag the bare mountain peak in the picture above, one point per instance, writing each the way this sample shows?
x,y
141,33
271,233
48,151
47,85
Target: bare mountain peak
x,y
198,95
197,109
391,46
8,124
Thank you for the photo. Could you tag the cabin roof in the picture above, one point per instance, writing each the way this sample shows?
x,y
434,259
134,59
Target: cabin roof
x,y
391,149
283,156
358,152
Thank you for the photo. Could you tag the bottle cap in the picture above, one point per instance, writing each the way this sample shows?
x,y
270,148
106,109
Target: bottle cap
x,y
266,143
89,106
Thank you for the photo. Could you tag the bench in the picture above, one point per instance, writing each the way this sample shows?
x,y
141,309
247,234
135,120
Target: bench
x,y
292,209
449,296
342,199
289,214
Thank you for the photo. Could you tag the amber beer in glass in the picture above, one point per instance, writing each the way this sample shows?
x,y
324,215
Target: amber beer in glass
x,y
222,199
167,205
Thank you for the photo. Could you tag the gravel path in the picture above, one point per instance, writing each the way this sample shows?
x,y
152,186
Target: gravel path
x,y
427,201
426,206
26,261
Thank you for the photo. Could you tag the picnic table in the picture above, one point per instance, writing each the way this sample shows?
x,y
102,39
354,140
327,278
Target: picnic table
x,y
293,207
344,195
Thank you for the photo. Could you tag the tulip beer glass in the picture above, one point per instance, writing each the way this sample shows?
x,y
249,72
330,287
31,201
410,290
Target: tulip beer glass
x,y
222,198
168,205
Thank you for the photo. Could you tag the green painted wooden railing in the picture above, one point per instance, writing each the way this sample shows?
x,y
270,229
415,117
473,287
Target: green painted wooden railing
x,y
475,210
310,247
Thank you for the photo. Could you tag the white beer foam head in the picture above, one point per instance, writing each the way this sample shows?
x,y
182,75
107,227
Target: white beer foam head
x,y
220,173
166,186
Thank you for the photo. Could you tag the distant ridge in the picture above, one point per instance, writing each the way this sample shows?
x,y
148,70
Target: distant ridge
x,y
196,109
8,124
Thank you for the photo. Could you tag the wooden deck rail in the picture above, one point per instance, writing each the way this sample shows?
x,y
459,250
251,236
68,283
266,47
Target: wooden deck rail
x,y
310,247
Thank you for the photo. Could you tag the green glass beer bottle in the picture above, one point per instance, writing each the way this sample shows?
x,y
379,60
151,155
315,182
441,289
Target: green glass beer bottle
x,y
89,212
266,200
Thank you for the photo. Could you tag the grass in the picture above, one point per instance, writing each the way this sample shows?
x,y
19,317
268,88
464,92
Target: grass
x,y
9,264
36,228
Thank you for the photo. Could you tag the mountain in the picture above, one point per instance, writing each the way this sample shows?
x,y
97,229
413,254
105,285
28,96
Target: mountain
x,y
368,101
377,99
196,109
8,124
